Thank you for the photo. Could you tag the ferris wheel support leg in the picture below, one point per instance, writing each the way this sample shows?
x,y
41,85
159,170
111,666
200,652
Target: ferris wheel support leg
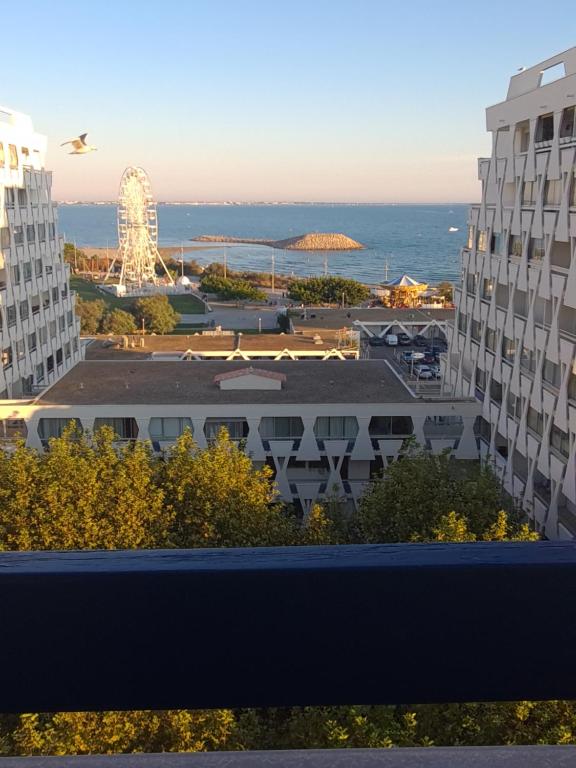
x,y
110,268
161,260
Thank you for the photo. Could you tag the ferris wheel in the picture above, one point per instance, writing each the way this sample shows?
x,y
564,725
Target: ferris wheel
x,y
137,230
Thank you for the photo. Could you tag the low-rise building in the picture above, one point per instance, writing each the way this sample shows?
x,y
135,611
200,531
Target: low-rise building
x,y
325,428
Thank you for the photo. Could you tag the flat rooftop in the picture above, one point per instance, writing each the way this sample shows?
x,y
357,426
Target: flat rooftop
x,y
142,382
102,349
334,319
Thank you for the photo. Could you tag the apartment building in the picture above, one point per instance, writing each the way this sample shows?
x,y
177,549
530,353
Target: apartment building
x,y
38,327
324,427
513,341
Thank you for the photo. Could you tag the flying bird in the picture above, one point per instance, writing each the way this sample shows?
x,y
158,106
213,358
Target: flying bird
x,y
80,146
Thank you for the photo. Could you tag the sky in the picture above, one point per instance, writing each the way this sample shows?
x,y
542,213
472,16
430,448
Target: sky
x,y
262,100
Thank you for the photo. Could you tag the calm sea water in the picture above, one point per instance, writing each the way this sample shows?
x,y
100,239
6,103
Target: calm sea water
x,y
413,239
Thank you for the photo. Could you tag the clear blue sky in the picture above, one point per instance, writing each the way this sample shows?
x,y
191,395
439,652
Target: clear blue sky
x,y
367,100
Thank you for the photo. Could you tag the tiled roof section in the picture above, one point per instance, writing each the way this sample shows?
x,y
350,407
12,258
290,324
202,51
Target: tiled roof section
x,y
250,371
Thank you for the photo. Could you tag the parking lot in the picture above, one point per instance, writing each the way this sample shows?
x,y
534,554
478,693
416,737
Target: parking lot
x,y
413,363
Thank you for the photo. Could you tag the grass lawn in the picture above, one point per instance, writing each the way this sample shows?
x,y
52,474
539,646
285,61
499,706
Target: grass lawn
x,y
185,304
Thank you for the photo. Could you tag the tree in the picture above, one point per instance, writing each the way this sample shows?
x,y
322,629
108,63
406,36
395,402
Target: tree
x,y
416,494
91,314
446,290
156,313
328,290
74,256
231,288
217,497
118,322
283,322
81,494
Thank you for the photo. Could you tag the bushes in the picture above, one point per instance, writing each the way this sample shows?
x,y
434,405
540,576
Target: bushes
x,y
328,290
231,288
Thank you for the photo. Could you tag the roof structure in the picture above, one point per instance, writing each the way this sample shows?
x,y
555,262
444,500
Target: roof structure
x,y
142,382
404,281
250,372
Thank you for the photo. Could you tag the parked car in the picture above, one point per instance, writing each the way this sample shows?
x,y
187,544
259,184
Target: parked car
x,y
420,341
376,341
404,340
391,339
423,372
435,368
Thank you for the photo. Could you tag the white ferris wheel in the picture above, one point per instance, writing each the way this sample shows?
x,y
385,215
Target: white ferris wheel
x,y
137,230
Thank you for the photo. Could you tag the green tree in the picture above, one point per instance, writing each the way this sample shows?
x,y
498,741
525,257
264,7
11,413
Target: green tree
x,y
217,497
328,290
118,322
416,493
91,314
74,256
231,288
156,313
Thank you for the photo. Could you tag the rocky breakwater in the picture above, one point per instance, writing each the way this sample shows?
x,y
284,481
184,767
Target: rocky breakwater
x,y
312,241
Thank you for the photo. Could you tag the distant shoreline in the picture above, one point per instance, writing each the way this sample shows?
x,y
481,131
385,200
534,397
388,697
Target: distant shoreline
x,y
310,241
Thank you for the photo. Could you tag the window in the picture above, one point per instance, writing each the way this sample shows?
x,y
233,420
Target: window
x,y
508,349
496,242
470,237
55,295
560,441
487,288
2,156
70,317
22,198
169,428
38,267
383,426
52,329
336,427
7,357
59,356
236,428
4,237
545,128
481,240
490,339
75,344
62,323
529,189
13,152
41,233
520,303
480,379
522,137
536,250
30,233
502,295
43,333
27,270
572,386
64,292
514,406
535,421
124,429
528,359
46,299
471,279
551,373
11,315
67,350
18,235
475,330
49,429
462,322
24,310
567,124
20,349
495,391
52,230
9,197
515,247
281,427
553,192
32,341
50,363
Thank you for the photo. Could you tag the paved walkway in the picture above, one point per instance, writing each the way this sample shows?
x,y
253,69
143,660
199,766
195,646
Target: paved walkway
x,y
229,316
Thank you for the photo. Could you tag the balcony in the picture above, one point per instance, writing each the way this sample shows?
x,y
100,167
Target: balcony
x,y
290,627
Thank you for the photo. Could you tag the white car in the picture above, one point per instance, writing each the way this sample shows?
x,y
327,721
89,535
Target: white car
x,y
423,372
391,339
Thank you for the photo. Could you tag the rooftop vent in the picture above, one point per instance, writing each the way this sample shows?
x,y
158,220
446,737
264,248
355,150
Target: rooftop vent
x,y
250,378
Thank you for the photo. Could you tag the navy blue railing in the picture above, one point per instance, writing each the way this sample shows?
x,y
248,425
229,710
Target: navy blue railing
x,y
289,626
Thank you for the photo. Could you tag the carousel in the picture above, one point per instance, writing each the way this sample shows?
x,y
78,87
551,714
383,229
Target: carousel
x,y
404,291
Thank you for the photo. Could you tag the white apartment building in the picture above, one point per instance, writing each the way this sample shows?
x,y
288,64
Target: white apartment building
x,y
513,342
38,327
324,427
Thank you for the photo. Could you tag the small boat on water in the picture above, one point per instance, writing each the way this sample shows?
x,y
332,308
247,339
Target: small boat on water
x,y
452,229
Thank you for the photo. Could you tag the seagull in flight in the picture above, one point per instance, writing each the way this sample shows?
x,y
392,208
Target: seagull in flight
x,y
80,146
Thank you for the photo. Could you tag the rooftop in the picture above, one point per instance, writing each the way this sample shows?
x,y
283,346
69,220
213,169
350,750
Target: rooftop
x,y
173,382
340,318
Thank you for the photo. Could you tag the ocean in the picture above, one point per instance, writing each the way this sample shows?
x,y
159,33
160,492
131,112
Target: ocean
x,y
410,239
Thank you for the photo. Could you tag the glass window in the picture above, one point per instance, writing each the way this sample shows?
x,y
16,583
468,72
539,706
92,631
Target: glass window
x,y
383,426
281,427
508,349
24,309
560,441
514,406
553,192
236,428
462,322
124,429
50,363
39,373
573,192
2,156
53,428
22,198
528,359
567,124
470,236
169,428
487,288
38,267
529,189
545,128
59,356
496,242
475,330
32,341
30,233
336,427
490,339
551,373
4,237
67,350
536,251
495,391
41,232
572,386
481,240
535,421
11,315
13,152
18,235
515,248
27,270
55,295
7,357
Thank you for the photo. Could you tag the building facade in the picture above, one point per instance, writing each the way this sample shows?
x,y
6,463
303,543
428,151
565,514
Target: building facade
x,y
513,340
324,427
38,327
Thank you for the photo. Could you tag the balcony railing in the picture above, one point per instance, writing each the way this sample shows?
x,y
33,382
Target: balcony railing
x,y
382,624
